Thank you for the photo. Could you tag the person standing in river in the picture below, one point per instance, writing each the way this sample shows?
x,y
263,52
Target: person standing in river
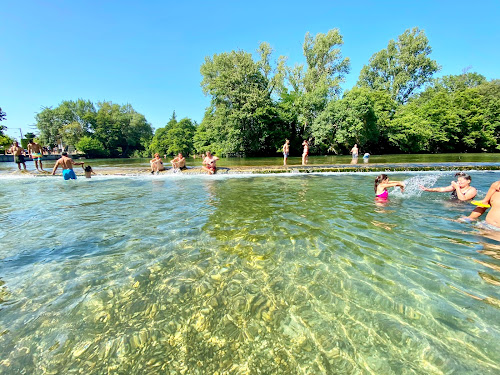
x,y
35,151
67,165
286,151
305,153
18,153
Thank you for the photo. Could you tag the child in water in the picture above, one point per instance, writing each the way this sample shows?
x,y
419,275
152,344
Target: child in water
x,y
382,183
88,171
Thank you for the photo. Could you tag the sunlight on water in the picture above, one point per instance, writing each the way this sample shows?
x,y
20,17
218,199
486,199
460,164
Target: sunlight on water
x,y
244,275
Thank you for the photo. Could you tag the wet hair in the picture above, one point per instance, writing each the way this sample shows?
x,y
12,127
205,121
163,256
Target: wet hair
x,y
464,175
88,168
379,179
64,153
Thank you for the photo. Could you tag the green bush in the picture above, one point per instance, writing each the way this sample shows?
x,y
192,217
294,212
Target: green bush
x,y
91,147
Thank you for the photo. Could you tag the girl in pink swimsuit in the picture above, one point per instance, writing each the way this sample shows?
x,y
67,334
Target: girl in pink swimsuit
x,y
382,183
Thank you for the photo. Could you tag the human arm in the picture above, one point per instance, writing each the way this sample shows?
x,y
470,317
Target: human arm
x,y
385,185
55,167
492,190
438,189
468,195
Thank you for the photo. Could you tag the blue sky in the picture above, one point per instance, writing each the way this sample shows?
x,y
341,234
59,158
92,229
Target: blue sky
x,y
149,53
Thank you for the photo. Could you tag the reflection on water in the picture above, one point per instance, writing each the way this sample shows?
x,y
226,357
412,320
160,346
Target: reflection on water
x,y
206,274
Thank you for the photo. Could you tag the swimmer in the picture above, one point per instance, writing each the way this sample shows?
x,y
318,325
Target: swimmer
x,y
354,151
88,171
492,198
459,189
382,183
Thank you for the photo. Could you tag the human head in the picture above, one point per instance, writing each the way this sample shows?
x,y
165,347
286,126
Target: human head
x,y
64,153
16,143
30,141
380,178
180,155
209,153
157,155
88,168
287,141
463,179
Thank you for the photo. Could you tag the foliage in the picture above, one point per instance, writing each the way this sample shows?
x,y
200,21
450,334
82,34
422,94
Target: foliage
x,y
120,129
30,135
175,137
91,147
320,81
402,68
347,121
241,117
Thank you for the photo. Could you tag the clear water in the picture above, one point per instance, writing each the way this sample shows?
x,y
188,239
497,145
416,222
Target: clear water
x,y
298,274
452,159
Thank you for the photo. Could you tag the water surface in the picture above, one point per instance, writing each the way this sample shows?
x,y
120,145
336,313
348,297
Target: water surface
x,y
245,275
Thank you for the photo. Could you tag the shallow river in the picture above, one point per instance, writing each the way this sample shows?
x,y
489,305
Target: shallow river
x,y
297,274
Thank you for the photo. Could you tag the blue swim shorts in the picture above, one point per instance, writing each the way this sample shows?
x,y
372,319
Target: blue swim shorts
x,y
69,174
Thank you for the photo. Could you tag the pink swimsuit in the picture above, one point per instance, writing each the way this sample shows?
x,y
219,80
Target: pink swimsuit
x,y
384,195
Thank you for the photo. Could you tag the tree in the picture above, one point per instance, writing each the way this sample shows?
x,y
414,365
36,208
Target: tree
x,y
91,147
402,68
3,116
347,121
240,115
30,135
320,81
66,123
175,137
121,129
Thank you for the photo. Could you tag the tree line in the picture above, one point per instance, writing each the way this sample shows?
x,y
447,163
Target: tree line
x,y
257,102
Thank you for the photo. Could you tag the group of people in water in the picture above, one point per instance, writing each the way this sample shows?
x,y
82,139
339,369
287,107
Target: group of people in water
x,y
460,189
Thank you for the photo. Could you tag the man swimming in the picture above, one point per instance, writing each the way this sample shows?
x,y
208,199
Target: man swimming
x,y
67,165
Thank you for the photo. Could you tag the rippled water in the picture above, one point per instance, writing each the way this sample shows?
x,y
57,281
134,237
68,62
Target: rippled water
x,y
301,274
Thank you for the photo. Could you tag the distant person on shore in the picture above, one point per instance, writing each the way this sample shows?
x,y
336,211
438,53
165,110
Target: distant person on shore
x,y
66,164
35,151
179,162
382,183
459,189
355,151
305,153
156,164
366,157
209,163
88,171
492,199
18,153
286,151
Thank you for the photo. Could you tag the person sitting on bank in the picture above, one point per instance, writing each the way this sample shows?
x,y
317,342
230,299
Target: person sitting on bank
x,y
67,165
179,162
156,164
459,189
209,163
88,171
18,153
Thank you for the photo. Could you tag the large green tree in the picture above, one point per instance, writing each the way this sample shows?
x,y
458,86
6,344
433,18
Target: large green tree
x,y
175,137
402,68
241,117
319,80
345,122
121,129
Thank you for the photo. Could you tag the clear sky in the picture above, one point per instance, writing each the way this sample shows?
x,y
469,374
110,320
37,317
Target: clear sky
x,y
149,53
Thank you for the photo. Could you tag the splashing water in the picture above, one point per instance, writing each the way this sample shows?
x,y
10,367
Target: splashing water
x,y
412,186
